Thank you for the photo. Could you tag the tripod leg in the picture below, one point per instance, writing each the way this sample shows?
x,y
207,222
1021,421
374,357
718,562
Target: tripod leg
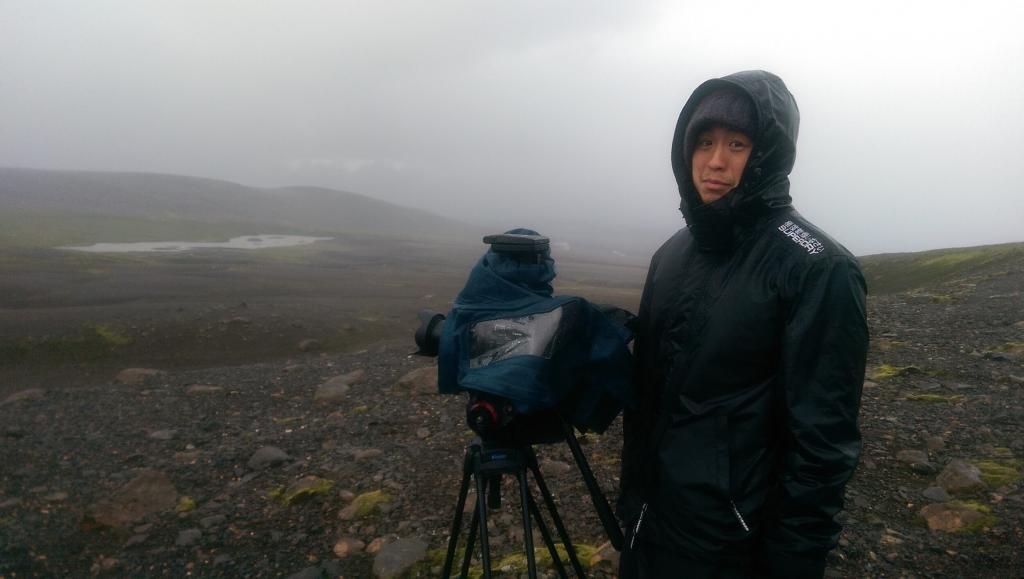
x,y
481,507
470,543
548,541
525,499
460,505
555,518
604,510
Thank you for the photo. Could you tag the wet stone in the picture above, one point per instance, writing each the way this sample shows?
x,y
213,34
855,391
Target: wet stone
x,y
212,520
222,559
188,537
935,443
24,396
935,494
395,558
959,476
268,456
197,389
163,434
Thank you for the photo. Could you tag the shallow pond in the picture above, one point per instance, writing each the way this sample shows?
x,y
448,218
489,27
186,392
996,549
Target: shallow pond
x,y
262,241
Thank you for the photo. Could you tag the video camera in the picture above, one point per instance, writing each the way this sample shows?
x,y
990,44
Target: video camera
x,y
525,356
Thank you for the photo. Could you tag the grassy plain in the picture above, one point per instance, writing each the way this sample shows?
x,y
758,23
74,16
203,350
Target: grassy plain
x,y
78,316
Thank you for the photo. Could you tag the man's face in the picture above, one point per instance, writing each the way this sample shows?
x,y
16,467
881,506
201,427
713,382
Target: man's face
x,y
718,161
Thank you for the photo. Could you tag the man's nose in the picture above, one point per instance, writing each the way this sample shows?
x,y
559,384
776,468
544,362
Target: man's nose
x,y
717,159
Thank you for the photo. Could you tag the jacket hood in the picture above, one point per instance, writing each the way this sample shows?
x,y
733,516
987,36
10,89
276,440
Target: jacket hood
x,y
765,181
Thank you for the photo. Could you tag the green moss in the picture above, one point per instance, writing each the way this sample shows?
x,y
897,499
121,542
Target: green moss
x,y
276,492
515,564
185,504
973,505
885,371
360,409
934,398
985,521
997,473
111,335
368,504
892,273
982,523
305,488
1011,348
90,342
433,558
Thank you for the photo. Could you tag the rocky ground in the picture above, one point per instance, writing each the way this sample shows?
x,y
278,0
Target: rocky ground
x,y
348,464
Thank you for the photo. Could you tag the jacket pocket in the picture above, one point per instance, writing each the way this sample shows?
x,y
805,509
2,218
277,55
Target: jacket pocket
x,y
694,499
694,462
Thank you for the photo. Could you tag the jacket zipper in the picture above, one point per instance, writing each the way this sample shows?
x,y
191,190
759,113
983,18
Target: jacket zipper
x,y
739,517
636,528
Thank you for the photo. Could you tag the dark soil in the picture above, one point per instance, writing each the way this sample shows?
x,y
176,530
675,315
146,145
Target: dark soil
x,y
87,436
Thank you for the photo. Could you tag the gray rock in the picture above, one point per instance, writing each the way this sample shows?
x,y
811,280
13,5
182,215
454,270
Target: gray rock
x,y
24,396
420,381
924,468
912,456
222,559
309,345
136,540
935,443
268,456
212,520
151,491
188,537
395,558
555,468
367,453
917,460
935,494
960,477
203,389
350,379
331,393
163,434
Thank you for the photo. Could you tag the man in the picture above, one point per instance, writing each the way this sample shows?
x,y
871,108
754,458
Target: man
x,y
750,353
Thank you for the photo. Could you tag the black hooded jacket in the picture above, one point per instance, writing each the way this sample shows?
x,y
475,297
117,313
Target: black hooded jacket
x,y
750,352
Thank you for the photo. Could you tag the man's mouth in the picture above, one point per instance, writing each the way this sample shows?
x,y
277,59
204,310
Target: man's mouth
x,y
716,184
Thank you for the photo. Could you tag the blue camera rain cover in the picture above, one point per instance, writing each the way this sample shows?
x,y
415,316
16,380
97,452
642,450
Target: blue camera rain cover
x,y
507,335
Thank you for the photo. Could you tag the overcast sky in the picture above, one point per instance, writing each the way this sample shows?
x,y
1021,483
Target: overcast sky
x,y
555,114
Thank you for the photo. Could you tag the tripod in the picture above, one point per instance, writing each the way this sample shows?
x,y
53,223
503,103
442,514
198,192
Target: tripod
x,y
486,462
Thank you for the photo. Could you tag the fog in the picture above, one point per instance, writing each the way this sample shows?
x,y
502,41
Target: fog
x,y
554,115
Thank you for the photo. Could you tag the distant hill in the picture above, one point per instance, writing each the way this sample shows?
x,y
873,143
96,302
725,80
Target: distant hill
x,y
141,206
897,272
